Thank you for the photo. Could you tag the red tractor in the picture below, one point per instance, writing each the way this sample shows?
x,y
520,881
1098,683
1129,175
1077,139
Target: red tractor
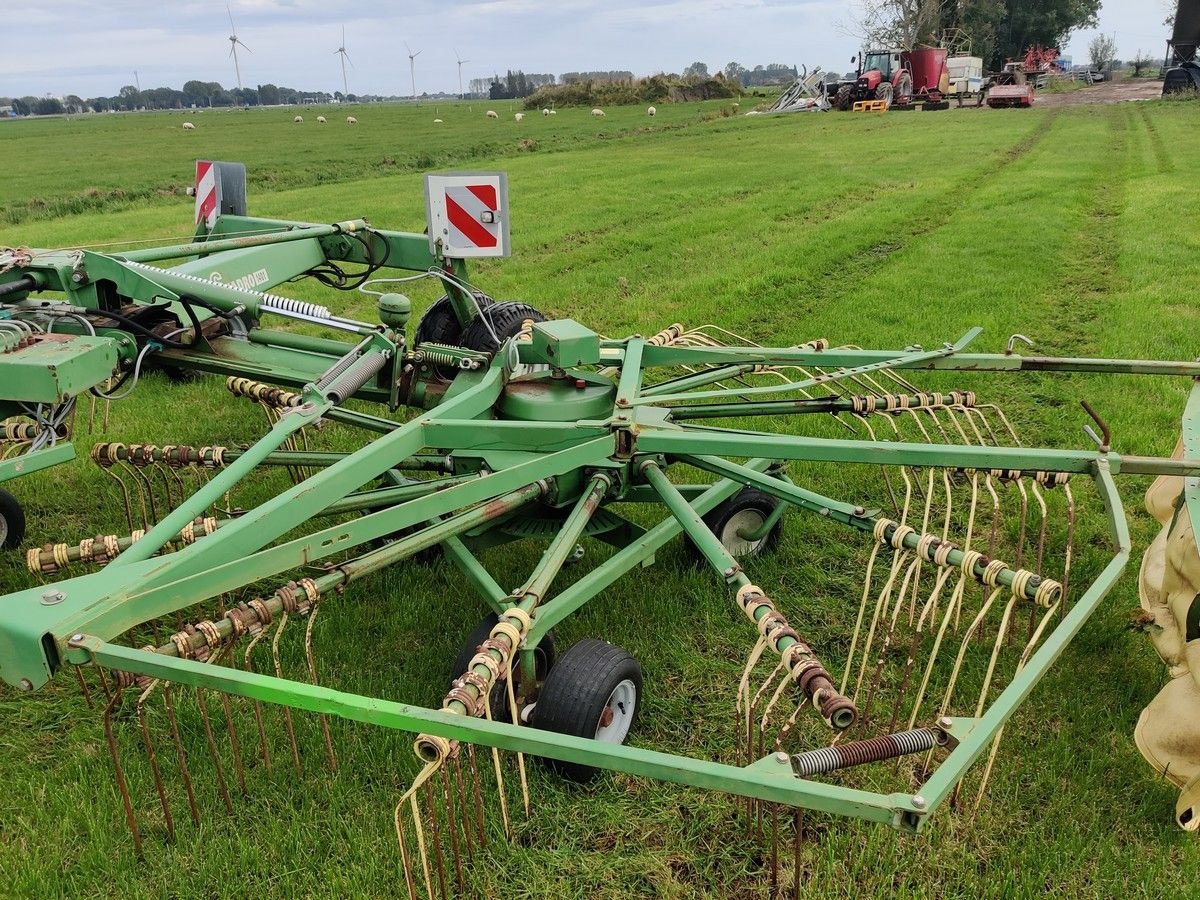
x,y
882,75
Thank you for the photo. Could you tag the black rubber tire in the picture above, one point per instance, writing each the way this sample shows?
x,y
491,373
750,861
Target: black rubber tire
x,y
747,498
933,107
545,654
576,694
841,99
505,319
439,325
12,521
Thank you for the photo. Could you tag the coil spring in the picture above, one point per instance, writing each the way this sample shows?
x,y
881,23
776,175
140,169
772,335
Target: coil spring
x,y
444,355
267,302
857,753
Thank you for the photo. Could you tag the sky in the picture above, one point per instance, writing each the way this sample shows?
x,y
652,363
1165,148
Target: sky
x,y
92,48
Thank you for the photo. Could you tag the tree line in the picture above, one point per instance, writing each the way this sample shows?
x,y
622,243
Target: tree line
x,y
194,93
516,84
996,30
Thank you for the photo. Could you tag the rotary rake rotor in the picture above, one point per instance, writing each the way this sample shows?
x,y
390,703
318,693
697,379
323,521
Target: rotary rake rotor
x,y
194,629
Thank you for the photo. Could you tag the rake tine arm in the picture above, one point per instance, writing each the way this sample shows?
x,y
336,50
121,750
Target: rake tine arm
x,y
798,658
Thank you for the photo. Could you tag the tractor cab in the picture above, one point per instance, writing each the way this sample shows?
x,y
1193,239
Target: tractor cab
x,y
878,66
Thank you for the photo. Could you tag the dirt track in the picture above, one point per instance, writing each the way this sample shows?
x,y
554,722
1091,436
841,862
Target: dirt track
x,y
1105,92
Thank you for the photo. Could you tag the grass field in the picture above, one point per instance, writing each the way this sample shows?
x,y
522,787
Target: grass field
x,y
879,231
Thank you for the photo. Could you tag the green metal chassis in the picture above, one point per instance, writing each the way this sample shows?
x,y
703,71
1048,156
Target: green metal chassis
x,y
645,425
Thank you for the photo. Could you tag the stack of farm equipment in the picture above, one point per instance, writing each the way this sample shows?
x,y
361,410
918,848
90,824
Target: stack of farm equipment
x,y
492,425
895,79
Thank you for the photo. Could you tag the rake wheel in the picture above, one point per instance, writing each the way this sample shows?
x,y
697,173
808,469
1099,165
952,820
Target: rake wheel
x,y
746,511
439,325
502,320
545,654
595,691
12,521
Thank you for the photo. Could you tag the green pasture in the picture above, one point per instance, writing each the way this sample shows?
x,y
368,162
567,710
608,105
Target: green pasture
x,y
1069,226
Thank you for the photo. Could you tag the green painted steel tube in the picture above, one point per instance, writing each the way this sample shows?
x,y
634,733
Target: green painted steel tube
x,y
531,593
390,554
639,552
170,526
702,536
696,379
907,358
279,515
974,362
683,413
855,517
746,782
33,462
687,441
294,340
630,381
177,251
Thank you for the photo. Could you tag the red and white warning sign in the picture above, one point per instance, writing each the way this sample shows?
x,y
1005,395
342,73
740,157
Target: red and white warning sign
x,y
206,193
467,214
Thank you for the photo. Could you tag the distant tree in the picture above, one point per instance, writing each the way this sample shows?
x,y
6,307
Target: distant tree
x,y
268,94
734,71
1141,63
23,106
48,106
697,71
131,97
99,104
74,104
1101,51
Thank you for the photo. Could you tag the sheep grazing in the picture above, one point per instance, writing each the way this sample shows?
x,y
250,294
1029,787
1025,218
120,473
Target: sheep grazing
x,y
545,112
492,114
188,126
519,116
651,112
598,113
298,120
736,107
437,121
554,112
320,120
350,120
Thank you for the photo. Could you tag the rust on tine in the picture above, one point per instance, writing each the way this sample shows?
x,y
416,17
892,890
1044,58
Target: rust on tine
x,y
312,672
404,860
464,801
153,757
452,826
477,794
104,684
264,747
180,753
87,694
438,862
287,710
130,819
797,839
222,788
233,742
774,849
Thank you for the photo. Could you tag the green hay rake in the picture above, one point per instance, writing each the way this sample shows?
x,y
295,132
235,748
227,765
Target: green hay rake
x,y
527,429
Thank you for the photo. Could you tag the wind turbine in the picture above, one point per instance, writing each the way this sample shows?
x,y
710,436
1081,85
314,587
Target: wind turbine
x,y
234,40
341,51
412,68
461,95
